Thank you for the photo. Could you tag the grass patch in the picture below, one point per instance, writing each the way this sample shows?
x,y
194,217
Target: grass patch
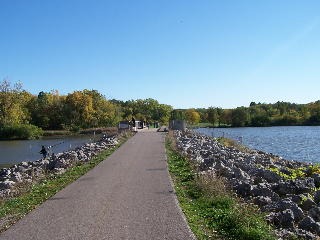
x,y
212,211
6,165
232,143
200,125
31,196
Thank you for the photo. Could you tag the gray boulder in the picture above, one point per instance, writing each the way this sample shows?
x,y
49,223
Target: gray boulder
x,y
317,197
297,186
308,204
206,163
316,179
243,189
310,225
24,164
5,193
315,213
59,170
262,200
284,233
284,219
297,212
222,169
7,184
264,191
16,177
295,198
304,185
62,163
240,174
271,217
44,163
303,234
268,175
5,172
280,205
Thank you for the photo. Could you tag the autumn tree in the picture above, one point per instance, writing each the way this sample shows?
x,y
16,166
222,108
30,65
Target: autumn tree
x,y
104,112
79,109
11,104
192,116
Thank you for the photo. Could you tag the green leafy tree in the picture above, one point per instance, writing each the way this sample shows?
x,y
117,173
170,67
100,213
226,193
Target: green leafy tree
x,y
240,117
47,110
213,116
178,114
163,111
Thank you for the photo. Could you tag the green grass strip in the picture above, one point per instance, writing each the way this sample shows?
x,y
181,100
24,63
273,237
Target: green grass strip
x,y
13,209
213,214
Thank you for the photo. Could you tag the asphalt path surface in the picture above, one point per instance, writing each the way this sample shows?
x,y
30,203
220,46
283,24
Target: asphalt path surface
x,y
127,196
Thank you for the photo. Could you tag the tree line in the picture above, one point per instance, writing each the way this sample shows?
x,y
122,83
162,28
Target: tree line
x,y
21,110
25,115
255,115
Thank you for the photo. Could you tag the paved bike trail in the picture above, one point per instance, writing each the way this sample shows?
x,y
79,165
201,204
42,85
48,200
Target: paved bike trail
x,y
127,196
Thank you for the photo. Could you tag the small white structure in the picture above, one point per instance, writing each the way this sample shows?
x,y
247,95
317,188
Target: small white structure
x,y
127,125
139,124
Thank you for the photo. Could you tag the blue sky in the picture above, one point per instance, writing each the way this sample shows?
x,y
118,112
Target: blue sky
x,y
184,53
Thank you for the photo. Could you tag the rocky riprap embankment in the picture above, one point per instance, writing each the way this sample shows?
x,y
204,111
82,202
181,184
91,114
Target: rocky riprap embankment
x,y
27,172
285,190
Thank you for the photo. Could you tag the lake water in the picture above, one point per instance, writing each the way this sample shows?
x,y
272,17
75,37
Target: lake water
x,y
294,143
28,150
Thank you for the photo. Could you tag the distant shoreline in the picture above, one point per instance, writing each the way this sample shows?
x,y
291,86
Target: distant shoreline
x,y
205,125
65,133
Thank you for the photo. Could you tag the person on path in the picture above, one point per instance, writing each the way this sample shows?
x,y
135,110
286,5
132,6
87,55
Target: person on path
x,y
44,151
133,123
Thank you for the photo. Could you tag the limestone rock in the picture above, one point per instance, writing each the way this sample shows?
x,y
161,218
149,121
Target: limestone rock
x,y
7,184
315,213
317,197
310,225
308,204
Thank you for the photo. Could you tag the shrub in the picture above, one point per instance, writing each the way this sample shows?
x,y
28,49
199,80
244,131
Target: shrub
x,y
20,131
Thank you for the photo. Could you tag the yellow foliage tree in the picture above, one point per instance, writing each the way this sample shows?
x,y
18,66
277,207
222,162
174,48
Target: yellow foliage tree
x,y
79,107
192,116
11,104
